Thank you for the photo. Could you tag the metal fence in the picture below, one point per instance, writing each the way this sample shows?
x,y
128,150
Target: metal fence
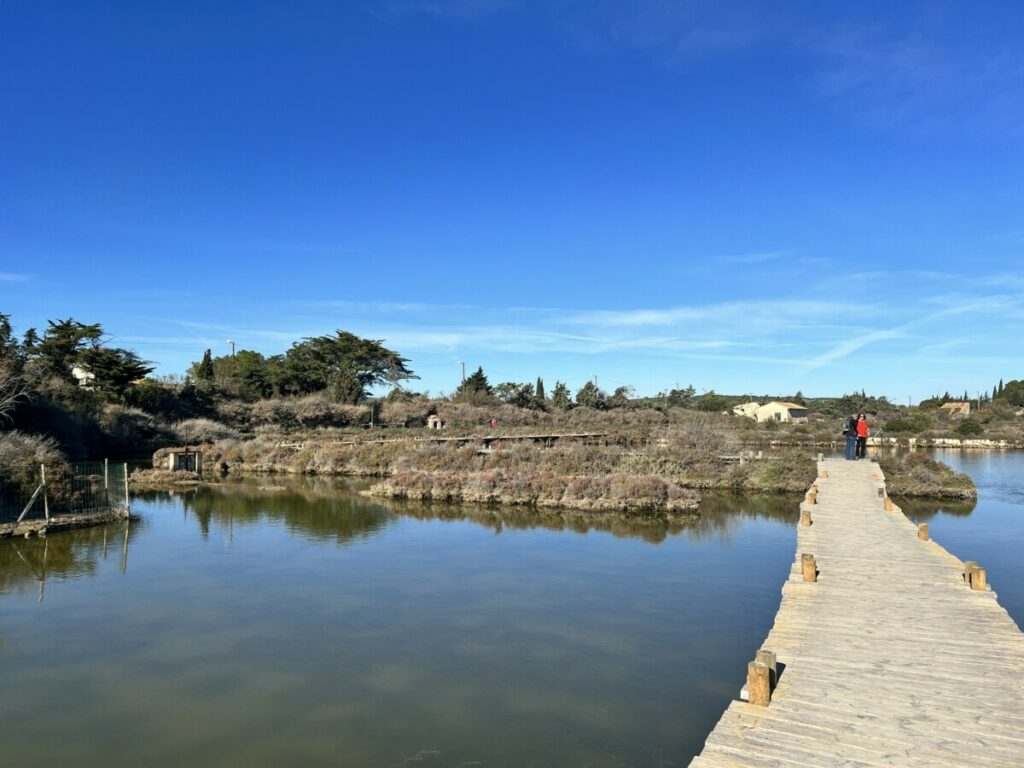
x,y
85,488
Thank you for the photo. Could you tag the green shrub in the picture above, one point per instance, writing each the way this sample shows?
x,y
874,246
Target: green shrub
x,y
970,427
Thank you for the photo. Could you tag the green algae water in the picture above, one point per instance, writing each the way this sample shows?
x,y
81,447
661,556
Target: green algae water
x,y
305,625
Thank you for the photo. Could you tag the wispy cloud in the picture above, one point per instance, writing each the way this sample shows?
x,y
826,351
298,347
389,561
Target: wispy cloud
x,y
914,69
924,78
759,257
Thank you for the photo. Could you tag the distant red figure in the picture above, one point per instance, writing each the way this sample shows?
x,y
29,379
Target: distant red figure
x,y
494,423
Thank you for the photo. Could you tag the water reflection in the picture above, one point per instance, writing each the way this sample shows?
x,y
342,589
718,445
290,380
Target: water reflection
x,y
319,509
25,563
332,509
922,510
719,515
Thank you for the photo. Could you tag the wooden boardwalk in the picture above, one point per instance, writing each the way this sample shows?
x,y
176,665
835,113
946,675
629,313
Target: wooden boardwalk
x,y
888,659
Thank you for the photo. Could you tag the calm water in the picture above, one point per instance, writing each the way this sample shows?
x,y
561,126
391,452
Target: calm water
x,y
310,626
992,532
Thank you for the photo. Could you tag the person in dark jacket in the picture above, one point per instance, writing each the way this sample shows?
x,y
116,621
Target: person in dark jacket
x,y
850,432
862,436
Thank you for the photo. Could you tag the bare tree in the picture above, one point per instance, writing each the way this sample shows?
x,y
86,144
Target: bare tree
x,y
12,391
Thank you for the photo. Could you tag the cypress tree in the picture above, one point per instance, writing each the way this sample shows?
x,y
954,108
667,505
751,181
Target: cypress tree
x,y
539,389
205,372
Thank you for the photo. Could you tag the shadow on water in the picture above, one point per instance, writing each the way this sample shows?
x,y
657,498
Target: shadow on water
x,y
69,554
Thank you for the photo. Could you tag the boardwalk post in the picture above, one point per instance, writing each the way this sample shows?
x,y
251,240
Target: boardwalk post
x,y
809,567
922,531
969,565
759,686
805,517
978,578
881,493
767,658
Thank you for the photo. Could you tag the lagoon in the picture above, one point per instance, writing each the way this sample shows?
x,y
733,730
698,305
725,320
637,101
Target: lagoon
x,y
305,624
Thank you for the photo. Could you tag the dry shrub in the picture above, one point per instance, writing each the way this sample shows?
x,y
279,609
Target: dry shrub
x,y
918,474
21,456
407,413
541,488
155,479
131,426
202,431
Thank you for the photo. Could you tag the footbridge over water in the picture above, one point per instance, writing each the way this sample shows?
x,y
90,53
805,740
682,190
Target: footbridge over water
x,y
886,650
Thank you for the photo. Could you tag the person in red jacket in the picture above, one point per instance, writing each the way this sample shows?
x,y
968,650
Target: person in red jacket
x,y
862,436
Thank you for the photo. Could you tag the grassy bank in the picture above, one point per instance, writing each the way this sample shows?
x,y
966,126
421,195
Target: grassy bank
x,y
661,470
599,493
917,475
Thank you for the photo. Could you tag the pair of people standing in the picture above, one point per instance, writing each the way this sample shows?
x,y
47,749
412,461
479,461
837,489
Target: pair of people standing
x,y
856,432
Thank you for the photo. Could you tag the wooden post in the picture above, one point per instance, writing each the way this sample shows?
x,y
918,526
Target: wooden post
x,y
881,493
809,567
922,531
106,481
759,686
887,504
969,566
46,497
979,579
805,517
767,658
127,498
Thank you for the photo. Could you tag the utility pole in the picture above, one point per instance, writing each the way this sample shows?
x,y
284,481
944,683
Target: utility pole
x,y
232,343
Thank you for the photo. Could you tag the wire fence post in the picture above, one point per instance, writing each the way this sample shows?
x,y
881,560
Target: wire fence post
x,y
46,497
127,499
106,480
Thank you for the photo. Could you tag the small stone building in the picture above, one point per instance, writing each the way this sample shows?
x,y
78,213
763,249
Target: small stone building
x,y
185,460
958,408
435,422
782,412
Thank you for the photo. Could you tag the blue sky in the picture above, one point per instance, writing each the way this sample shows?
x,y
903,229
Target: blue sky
x,y
740,196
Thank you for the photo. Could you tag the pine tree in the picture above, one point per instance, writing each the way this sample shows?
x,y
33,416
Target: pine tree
x,y
590,396
205,371
561,397
475,389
